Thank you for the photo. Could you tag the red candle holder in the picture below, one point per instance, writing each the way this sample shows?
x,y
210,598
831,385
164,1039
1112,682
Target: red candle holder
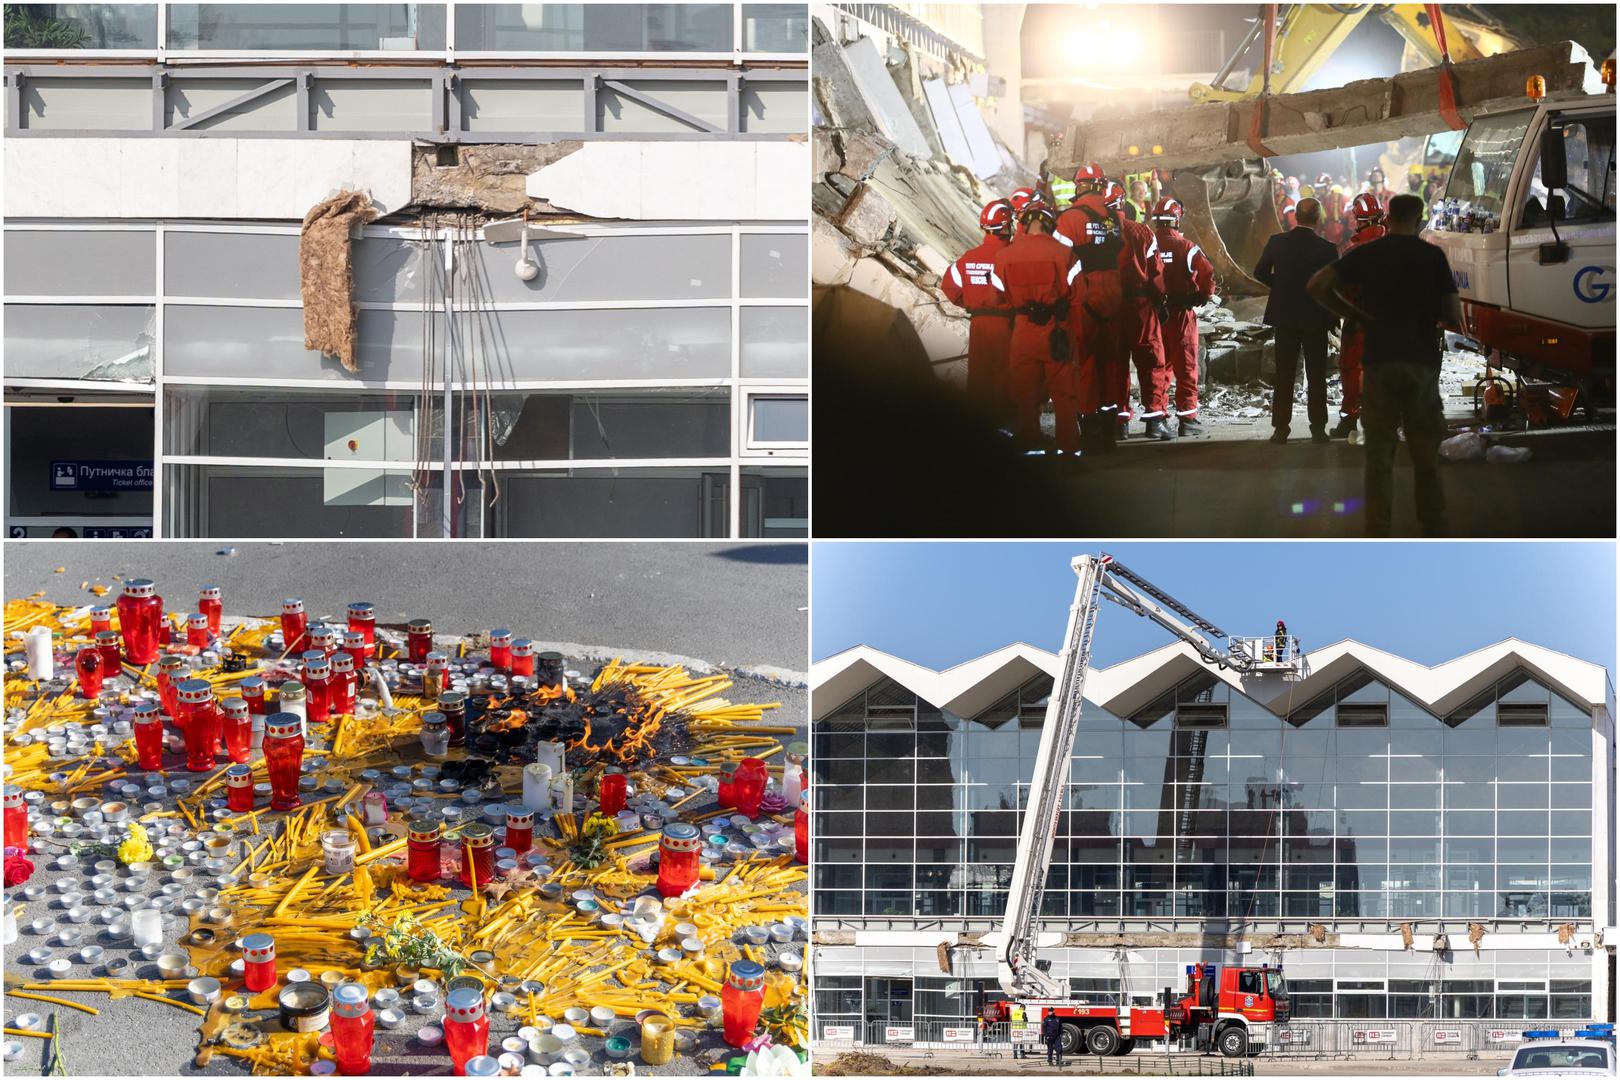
x,y
477,855
322,638
435,675
236,723
16,815
140,619
258,962
197,630
87,666
344,688
317,680
148,736
726,796
741,1001
466,1027
418,640
252,690
283,758
750,786
353,1029
198,721
171,672
801,827
610,793
100,620
519,827
363,621
453,704
211,604
354,643
523,657
107,644
678,858
239,788
500,649
294,626
423,850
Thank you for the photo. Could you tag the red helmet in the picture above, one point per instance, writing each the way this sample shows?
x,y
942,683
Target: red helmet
x,y
1113,194
1366,208
1037,208
1089,173
1022,198
1323,181
1167,209
996,215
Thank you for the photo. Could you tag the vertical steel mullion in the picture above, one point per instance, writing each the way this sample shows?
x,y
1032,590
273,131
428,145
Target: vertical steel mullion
x,y
450,30
160,104
738,400
159,476
453,340
14,107
162,31
455,117
593,82
734,92
303,83
440,83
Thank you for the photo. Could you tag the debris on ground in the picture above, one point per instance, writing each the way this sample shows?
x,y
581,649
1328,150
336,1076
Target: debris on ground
x,y
401,865
861,1063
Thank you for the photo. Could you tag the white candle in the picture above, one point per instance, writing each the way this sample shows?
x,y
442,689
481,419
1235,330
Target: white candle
x,y
380,684
537,786
550,754
146,927
40,664
562,793
792,781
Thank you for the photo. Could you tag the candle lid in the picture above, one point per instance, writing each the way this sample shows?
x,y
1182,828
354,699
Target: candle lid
x,y
522,647
292,606
728,769
239,776
282,725
292,691
679,836
140,587
613,770
101,613
166,663
13,797
800,750
482,1065
502,636
252,686
197,618
195,691
551,657
746,975
322,632
145,712
259,947
362,610
425,829
433,719
342,662
234,707
478,835
518,814
454,700
351,1000
209,592
110,637
419,626
315,661
464,1004
438,659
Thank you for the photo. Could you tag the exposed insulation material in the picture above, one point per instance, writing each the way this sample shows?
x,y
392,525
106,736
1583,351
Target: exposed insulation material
x,y
326,269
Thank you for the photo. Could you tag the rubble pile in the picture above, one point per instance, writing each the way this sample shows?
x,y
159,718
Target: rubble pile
x,y
461,827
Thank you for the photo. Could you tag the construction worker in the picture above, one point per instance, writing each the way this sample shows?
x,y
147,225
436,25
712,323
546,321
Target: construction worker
x,y
1189,282
967,285
1032,275
1020,198
1369,216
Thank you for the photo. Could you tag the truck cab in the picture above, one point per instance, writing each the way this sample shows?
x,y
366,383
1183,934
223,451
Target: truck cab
x,y
1535,268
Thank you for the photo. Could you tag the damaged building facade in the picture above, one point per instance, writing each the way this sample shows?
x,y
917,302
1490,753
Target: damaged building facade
x,y
579,298
1409,844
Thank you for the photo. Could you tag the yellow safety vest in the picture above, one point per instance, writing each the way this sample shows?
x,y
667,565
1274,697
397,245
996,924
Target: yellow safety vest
x,y
1063,193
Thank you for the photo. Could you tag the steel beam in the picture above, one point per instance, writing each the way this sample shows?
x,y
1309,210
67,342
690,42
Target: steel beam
x,y
654,104
242,99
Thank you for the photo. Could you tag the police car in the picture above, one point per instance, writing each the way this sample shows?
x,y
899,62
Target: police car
x,y
1589,1055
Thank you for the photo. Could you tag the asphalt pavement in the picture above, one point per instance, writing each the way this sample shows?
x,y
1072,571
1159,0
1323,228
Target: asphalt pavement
x,y
735,606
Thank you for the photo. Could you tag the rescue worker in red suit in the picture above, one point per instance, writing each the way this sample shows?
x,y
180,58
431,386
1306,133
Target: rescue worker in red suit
x,y
1032,275
1135,335
1189,282
1104,357
1021,198
1369,215
967,285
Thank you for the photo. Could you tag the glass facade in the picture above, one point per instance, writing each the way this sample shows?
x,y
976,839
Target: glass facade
x,y
1361,804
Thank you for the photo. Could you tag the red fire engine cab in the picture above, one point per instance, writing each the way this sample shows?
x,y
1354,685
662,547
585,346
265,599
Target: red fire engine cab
x,y
1235,1010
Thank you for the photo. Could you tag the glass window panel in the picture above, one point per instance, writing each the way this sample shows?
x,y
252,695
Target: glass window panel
x,y
780,419
776,28
1469,850
232,500
72,262
337,27
1425,770
286,423
1414,823
887,770
774,264
1565,769
1522,823
553,425
610,503
1470,795
775,342
269,343
1348,767
1414,796
1521,742
1571,741
1565,713
1361,796
82,26
890,797
830,849
629,28
838,824
838,876
830,796
1571,823
831,743
1572,796
1522,796
835,903
637,343
1532,767
260,266
1363,823
80,341
611,267
1470,823
1570,877
1357,743
1412,849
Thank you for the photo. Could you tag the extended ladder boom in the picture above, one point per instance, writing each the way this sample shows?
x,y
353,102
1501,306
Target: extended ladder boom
x,y
1098,576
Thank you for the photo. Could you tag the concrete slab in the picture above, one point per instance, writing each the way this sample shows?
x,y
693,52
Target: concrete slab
x,y
699,180
883,98
946,122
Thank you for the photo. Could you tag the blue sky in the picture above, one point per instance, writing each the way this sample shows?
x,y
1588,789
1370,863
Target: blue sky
x,y
941,603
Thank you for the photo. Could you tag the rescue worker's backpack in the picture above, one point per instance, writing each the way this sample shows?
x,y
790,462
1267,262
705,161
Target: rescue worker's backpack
x,y
1099,264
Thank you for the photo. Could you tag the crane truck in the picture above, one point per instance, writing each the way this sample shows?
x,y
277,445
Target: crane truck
x,y
1236,1010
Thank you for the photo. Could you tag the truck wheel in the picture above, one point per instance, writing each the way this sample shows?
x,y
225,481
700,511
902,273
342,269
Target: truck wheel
x,y
1101,1040
1233,1041
1073,1041
1125,1046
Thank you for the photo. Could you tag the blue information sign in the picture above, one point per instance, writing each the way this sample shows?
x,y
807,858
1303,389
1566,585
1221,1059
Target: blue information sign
x,y
101,476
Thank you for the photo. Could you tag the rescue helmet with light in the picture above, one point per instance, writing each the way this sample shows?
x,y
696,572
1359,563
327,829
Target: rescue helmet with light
x,y
1113,194
1323,181
1022,198
1168,209
1035,208
1367,209
1089,173
996,215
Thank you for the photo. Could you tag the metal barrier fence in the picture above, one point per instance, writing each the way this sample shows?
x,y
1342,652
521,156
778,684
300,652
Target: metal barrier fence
x,y
1371,1040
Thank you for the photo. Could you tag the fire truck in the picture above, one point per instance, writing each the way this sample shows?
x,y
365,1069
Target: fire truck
x,y
1235,1010
1527,223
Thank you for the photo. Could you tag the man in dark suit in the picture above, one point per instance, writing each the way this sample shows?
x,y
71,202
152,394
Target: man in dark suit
x,y
1300,322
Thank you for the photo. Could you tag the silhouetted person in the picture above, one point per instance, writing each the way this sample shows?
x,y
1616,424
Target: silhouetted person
x,y
1299,322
